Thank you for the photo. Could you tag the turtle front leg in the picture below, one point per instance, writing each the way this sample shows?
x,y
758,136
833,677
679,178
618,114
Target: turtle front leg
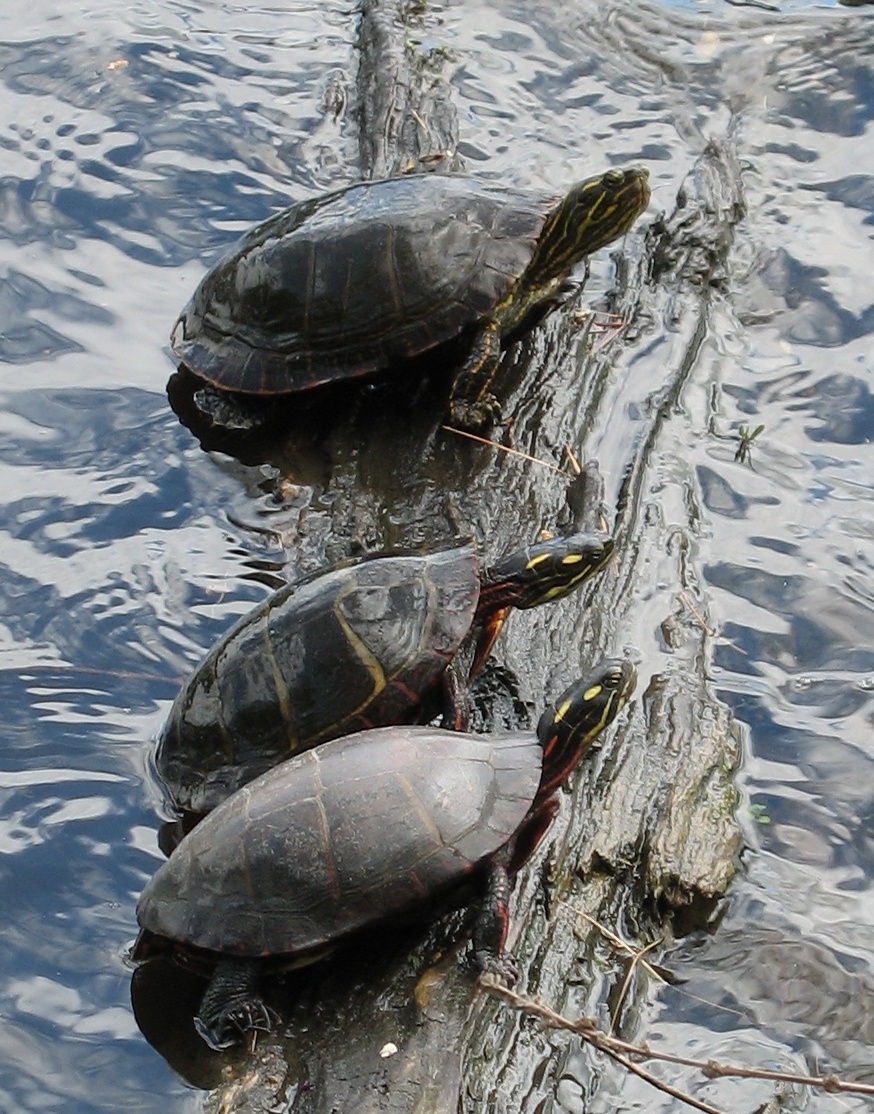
x,y
490,930
231,1006
472,406
456,700
487,637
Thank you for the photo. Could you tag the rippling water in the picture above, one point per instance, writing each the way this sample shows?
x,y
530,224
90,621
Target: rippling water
x,y
134,142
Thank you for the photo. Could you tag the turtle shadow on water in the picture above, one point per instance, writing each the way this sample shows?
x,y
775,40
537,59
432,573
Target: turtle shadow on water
x,y
368,997
368,465
370,458
406,404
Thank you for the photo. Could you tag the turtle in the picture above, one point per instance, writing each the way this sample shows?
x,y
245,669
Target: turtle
x,y
365,277
390,824
389,638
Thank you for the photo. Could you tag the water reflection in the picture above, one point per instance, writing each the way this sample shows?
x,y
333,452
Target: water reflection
x,y
842,409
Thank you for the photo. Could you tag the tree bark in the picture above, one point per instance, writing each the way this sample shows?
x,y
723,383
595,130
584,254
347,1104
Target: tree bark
x,y
646,837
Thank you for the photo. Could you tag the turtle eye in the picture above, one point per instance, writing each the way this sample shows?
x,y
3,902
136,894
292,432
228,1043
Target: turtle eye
x,y
614,178
616,677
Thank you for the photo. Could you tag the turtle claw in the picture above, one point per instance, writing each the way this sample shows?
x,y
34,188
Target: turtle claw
x,y
476,415
503,967
231,1008
234,1022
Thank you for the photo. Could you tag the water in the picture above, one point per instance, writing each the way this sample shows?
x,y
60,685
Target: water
x,y
134,142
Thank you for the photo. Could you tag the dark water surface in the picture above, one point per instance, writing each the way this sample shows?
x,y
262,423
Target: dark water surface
x,y
135,140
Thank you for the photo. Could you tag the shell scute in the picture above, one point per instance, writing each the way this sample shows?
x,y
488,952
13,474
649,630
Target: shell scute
x,y
356,280
359,645
374,825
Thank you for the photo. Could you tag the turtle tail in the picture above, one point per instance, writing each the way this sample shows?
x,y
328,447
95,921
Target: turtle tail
x,y
231,1006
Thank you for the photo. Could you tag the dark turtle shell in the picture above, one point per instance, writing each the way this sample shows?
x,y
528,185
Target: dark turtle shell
x,y
393,638
356,280
380,824
359,645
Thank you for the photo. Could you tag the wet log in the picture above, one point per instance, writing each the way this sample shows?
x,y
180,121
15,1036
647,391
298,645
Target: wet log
x,y
646,837
406,119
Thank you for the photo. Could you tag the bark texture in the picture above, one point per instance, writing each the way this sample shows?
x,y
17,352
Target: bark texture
x,y
646,838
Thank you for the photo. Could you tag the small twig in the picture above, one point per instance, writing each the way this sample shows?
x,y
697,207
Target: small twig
x,y
609,337
610,330
617,941
611,1046
612,320
420,121
503,448
575,464
654,973
636,960
697,614
660,1085
636,955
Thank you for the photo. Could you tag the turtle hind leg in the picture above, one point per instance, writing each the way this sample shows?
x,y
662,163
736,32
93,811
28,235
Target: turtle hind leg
x,y
490,929
231,1006
472,406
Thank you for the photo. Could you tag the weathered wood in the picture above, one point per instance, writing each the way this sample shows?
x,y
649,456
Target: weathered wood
x,y
649,827
260,1086
406,119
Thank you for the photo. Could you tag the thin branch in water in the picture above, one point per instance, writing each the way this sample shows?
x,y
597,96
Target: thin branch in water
x,y
610,319
636,961
586,1028
696,613
615,1047
637,954
617,941
660,1085
609,337
611,326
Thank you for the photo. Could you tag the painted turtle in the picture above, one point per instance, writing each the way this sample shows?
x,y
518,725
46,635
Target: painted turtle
x,y
364,277
395,822
365,644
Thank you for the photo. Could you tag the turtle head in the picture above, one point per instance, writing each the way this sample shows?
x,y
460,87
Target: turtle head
x,y
591,215
534,575
601,209
546,571
568,727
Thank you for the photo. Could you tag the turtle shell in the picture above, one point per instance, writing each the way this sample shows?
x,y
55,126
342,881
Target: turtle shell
x,y
385,823
355,280
358,646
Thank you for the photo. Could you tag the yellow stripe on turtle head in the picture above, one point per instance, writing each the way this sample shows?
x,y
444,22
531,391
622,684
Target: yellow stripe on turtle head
x,y
561,711
559,590
538,560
